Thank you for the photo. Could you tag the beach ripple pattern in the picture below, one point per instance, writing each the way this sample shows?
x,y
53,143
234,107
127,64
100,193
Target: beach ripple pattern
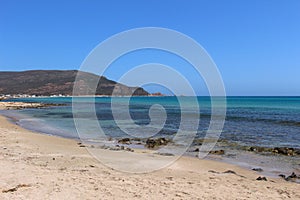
x,y
171,41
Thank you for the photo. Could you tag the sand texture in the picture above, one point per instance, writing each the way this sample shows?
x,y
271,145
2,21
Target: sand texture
x,y
37,166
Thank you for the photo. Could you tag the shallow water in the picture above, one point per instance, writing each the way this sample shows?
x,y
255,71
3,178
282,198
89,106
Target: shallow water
x,y
259,121
250,121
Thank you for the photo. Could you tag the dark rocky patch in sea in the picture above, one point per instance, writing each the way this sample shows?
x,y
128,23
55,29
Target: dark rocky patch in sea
x,y
150,143
286,151
154,143
223,143
257,169
220,149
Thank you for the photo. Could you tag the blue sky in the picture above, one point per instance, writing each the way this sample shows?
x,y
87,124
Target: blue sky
x,y
255,44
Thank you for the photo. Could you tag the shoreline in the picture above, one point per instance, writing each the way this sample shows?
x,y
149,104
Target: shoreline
x,y
241,161
226,157
271,165
35,165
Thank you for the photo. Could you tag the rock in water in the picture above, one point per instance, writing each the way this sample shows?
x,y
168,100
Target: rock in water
x,y
218,152
124,141
152,143
257,169
282,175
293,175
285,151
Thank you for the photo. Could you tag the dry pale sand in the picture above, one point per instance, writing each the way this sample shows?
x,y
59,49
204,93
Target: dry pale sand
x,y
37,166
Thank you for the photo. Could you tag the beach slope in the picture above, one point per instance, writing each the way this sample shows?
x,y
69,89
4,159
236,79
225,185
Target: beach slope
x,y
37,166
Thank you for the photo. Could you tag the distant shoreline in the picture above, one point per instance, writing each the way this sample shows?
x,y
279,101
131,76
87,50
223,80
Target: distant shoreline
x,y
5,97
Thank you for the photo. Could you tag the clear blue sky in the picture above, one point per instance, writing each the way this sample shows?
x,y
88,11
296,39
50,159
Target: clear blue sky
x,y
255,43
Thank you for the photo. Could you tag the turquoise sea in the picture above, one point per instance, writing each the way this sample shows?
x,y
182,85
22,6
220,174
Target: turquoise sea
x,y
260,121
250,121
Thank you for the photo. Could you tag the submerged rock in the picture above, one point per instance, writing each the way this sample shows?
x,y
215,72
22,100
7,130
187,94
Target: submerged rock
x,y
165,154
296,152
282,176
124,141
120,148
198,142
259,149
152,143
257,169
287,151
293,175
218,152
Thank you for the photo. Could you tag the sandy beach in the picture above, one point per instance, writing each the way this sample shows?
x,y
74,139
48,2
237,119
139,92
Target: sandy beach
x,y
38,166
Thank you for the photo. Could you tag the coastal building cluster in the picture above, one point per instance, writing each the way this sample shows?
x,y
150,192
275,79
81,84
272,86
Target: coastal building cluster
x,y
9,96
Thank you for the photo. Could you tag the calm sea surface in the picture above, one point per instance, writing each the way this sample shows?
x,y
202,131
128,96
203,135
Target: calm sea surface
x,y
257,121
250,121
